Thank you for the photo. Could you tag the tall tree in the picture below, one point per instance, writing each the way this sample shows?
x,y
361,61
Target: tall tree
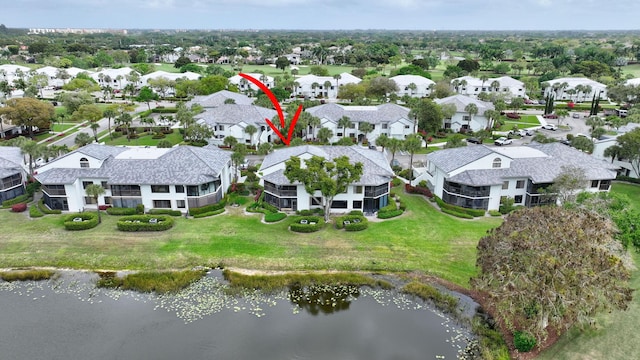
x,y
630,148
237,157
250,130
95,191
344,123
82,139
394,145
110,113
412,144
92,113
365,128
146,95
330,178
429,115
538,272
324,134
28,112
472,110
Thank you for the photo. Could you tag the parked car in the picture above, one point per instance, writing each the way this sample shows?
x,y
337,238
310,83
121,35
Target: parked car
x,y
529,101
565,142
473,140
550,127
529,132
395,163
550,116
513,115
521,133
503,141
575,116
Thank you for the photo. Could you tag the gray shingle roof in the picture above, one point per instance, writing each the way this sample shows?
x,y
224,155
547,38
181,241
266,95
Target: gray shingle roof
x,y
540,169
372,114
10,161
182,165
234,114
461,101
218,99
376,169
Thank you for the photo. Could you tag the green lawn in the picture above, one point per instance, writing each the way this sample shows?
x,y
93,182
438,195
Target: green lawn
x,y
617,336
633,69
423,239
146,140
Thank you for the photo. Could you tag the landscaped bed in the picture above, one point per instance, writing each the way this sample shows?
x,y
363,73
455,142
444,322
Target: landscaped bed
x,y
145,223
81,221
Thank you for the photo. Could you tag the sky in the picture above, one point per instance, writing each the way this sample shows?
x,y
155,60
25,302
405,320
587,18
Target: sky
x,y
324,14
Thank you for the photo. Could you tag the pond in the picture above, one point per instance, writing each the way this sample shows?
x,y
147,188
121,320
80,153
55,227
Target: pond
x,y
69,318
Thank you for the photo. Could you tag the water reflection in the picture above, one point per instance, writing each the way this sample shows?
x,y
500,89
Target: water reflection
x,y
326,299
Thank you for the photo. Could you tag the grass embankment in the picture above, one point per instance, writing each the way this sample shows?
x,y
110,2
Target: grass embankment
x,y
616,336
422,239
26,275
271,283
160,282
144,140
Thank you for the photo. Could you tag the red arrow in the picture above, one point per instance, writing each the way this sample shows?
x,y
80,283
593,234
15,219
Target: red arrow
x,y
276,105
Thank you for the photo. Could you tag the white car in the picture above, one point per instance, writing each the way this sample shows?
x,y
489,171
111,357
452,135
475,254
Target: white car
x,y
550,127
503,141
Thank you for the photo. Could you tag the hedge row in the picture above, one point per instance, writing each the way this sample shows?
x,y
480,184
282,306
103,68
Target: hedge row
x,y
628,179
210,213
16,200
129,223
495,213
121,211
456,213
389,214
308,227
208,208
459,209
89,221
164,212
45,210
312,212
362,223
35,212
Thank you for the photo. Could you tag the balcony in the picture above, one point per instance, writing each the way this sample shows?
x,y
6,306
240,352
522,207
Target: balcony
x,y
200,201
286,190
375,191
467,191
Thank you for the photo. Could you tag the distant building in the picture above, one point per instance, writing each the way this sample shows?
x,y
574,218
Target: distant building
x,y
244,84
233,119
577,89
599,147
313,86
504,85
413,85
12,173
461,120
116,78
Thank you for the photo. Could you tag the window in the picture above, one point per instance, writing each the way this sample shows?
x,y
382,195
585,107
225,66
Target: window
x,y
517,199
104,185
160,188
385,126
89,200
339,204
86,183
505,185
407,126
221,127
180,189
84,163
162,204
605,185
180,204
314,202
466,118
475,90
352,126
357,204
594,183
358,190
125,190
520,184
107,200
339,134
497,163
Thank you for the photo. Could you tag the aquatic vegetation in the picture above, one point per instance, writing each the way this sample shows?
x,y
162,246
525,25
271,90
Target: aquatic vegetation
x,y
159,282
442,301
25,275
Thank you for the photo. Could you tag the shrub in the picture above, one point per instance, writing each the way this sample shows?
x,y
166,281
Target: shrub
x,y
210,213
389,214
396,182
628,179
31,188
273,217
458,209
121,211
89,221
356,212
456,213
418,190
141,223
35,212
208,208
523,341
16,200
45,210
164,212
308,227
26,275
140,209
495,213
19,207
356,222
423,184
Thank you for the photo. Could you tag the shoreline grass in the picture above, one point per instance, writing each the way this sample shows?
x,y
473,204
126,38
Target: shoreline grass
x,y
27,275
159,282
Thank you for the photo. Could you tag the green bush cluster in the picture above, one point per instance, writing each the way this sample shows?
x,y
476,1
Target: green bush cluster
x,y
456,213
396,182
139,209
359,224
164,212
35,212
130,223
271,213
89,221
312,212
209,213
208,208
16,200
273,217
32,187
453,210
390,211
121,211
628,179
495,213
308,227
45,210
523,341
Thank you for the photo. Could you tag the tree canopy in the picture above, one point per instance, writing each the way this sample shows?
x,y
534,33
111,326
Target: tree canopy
x,y
328,177
28,112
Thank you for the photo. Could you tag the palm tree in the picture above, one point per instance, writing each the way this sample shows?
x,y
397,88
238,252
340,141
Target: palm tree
x,y
495,85
95,191
94,127
412,144
324,134
382,140
314,86
327,86
562,113
472,109
394,145
230,141
587,91
344,123
484,78
125,120
365,128
314,122
413,87
109,113
337,77
32,149
250,130
463,84
455,83
82,139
